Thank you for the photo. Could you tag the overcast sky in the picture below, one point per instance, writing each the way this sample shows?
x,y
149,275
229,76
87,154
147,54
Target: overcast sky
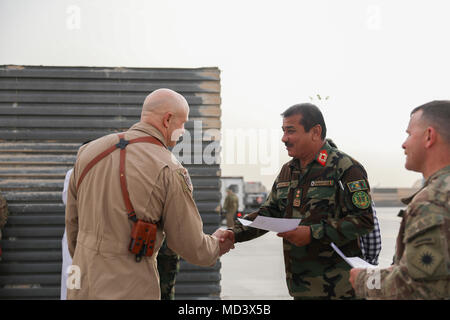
x,y
376,60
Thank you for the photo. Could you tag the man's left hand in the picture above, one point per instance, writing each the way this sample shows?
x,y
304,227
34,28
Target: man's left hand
x,y
301,236
353,275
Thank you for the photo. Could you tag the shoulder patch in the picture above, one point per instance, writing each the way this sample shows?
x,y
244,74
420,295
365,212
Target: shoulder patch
x,y
357,185
361,199
187,179
427,259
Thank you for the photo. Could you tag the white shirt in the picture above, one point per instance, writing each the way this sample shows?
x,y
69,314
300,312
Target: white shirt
x,y
66,258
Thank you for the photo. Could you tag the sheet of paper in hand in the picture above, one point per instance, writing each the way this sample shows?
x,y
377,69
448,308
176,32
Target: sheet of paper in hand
x,y
272,224
354,262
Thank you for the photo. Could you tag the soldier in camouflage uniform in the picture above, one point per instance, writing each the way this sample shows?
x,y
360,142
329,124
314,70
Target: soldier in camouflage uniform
x,y
329,191
421,268
231,205
168,267
3,217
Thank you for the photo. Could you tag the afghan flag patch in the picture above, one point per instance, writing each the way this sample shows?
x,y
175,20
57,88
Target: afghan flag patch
x,y
357,185
361,200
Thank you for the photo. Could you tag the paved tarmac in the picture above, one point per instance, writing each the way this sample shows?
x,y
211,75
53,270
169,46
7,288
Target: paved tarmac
x,y
254,270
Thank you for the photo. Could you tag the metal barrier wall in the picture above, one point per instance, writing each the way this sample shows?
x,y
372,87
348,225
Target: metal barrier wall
x,y
45,115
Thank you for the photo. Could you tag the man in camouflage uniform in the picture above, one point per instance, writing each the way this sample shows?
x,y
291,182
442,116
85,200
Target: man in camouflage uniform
x,y
329,191
168,267
421,268
3,217
231,206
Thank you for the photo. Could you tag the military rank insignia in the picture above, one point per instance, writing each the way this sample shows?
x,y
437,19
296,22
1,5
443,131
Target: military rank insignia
x,y
297,197
357,185
322,158
361,199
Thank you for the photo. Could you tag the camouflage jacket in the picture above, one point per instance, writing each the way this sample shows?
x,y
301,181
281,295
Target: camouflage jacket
x,y
421,268
331,196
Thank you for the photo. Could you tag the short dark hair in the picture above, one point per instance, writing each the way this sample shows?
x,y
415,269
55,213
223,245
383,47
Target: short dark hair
x,y
311,116
437,114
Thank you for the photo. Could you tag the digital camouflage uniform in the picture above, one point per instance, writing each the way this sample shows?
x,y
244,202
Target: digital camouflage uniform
x,y
168,267
421,268
332,197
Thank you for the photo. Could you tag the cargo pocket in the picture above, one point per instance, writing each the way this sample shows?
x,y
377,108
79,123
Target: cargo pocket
x,y
282,196
283,193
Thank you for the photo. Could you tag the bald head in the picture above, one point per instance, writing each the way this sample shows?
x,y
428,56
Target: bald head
x,y
161,101
167,111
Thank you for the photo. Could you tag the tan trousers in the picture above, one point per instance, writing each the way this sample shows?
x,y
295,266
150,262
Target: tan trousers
x,y
230,219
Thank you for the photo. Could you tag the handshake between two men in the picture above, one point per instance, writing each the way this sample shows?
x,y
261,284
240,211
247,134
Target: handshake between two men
x,y
226,240
300,236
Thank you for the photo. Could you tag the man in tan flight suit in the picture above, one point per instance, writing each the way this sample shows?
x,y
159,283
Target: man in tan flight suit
x,y
160,190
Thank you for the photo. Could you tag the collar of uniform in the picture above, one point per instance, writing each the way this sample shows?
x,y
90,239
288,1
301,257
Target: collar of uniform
x,y
295,163
427,182
150,130
407,200
322,156
437,174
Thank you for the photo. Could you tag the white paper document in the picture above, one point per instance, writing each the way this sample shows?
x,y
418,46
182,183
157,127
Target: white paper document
x,y
272,224
355,262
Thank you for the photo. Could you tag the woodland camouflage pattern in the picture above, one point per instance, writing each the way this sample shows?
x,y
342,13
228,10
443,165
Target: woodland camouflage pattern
x,y
168,267
321,197
421,268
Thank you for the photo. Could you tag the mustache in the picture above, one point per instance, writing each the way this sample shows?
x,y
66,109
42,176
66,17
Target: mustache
x,y
288,145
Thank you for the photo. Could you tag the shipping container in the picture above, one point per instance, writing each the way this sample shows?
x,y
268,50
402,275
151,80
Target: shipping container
x,y
45,115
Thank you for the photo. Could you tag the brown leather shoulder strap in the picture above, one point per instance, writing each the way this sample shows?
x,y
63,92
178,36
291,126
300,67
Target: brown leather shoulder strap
x,y
123,182
93,162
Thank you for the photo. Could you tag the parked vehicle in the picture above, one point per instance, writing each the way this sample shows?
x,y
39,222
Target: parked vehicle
x,y
255,195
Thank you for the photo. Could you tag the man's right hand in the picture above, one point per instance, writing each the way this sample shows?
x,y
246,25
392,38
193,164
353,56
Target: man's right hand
x,y
226,240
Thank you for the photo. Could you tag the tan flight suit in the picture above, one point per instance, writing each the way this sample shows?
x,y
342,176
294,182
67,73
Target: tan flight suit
x,y
98,229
